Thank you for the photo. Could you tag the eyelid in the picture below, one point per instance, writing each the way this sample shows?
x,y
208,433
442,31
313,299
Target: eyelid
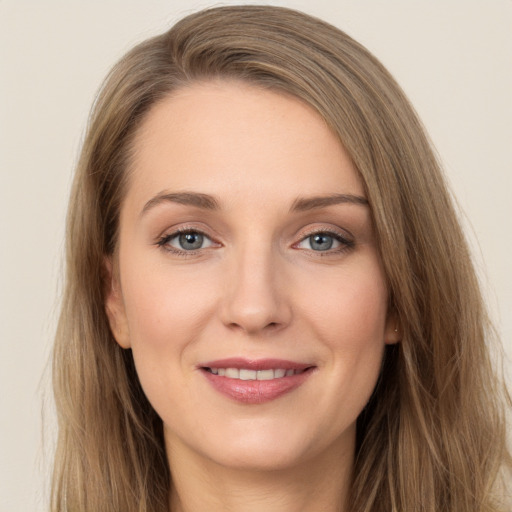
x,y
342,236
163,240
329,230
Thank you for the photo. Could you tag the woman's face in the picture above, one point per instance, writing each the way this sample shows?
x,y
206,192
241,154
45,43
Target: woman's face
x,y
249,285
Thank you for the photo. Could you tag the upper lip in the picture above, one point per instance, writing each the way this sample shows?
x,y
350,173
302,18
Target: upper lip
x,y
255,364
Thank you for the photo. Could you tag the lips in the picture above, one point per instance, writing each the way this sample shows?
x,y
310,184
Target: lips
x,y
255,381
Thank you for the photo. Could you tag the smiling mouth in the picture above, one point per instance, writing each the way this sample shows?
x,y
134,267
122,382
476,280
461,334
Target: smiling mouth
x,y
249,374
249,381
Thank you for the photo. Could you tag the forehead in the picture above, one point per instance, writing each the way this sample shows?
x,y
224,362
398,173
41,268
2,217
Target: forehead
x,y
232,138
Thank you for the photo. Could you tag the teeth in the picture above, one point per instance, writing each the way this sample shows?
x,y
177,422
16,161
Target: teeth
x,y
233,373
246,374
265,374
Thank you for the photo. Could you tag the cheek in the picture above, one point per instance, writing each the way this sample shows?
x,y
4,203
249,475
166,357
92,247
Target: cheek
x,y
349,310
166,314
165,309
349,317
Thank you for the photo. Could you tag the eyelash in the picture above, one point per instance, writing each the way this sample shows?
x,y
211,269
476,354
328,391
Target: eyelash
x,y
165,239
345,243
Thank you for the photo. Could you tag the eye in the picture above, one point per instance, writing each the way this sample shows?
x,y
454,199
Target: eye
x,y
186,241
323,241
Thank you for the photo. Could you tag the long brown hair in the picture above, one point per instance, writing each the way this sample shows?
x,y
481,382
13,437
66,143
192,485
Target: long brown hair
x,y
433,436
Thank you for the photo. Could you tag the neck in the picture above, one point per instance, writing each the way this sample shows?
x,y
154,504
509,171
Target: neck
x,y
200,484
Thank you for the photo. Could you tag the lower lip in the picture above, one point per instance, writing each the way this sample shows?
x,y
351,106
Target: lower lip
x,y
256,391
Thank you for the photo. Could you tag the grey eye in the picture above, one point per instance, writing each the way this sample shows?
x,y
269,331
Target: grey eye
x,y
321,242
189,241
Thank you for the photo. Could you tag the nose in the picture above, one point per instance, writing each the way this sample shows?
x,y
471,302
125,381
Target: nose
x,y
255,300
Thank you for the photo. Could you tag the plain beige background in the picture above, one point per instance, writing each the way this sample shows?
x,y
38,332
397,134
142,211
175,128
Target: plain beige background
x,y
452,57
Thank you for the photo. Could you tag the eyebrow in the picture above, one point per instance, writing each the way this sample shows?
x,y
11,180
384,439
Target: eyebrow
x,y
302,204
204,201
208,202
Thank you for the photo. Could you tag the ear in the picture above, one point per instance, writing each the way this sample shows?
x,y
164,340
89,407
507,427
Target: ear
x,y
114,305
392,332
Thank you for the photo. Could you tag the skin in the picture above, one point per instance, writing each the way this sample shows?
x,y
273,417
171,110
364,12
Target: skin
x,y
257,288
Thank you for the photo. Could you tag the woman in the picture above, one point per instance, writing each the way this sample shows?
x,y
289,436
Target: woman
x,y
270,302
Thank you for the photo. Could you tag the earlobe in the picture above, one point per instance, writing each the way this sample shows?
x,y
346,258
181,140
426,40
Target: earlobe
x,y
393,333
114,306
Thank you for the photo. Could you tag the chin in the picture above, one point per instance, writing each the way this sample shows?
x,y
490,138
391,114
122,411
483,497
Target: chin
x,y
262,459
263,448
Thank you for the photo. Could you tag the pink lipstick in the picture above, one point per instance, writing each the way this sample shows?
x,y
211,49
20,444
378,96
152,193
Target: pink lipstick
x,y
255,381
